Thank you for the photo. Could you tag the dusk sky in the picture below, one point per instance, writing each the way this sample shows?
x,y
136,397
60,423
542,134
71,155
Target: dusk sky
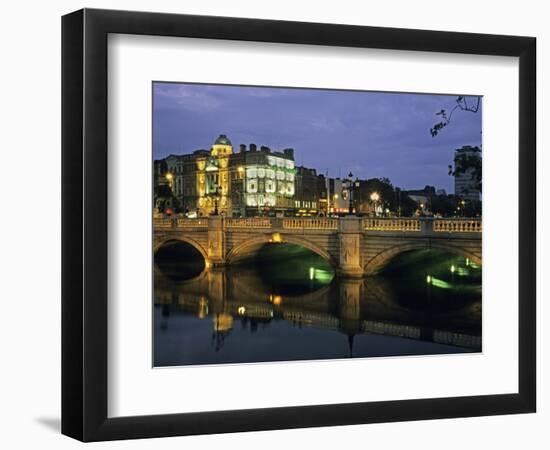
x,y
371,134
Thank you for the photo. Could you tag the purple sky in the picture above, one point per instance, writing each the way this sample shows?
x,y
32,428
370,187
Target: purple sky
x,y
373,134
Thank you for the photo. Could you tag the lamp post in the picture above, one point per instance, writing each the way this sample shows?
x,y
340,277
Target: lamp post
x,y
170,179
348,184
217,191
374,197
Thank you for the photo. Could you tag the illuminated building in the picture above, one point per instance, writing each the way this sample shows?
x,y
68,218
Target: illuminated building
x,y
270,180
249,182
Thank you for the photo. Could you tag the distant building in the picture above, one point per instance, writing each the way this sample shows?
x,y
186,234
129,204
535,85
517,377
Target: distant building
x,y
465,184
322,188
307,197
422,197
338,196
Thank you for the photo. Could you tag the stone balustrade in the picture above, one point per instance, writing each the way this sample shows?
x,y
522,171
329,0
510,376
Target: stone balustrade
x,y
457,226
310,224
391,224
160,222
427,225
192,223
248,222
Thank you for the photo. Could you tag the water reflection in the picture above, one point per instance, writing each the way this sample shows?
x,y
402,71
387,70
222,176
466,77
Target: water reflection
x,y
282,308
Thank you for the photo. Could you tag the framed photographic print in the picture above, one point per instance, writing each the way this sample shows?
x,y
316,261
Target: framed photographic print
x,y
273,224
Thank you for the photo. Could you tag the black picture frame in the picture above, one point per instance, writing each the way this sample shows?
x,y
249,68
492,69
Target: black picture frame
x,y
84,224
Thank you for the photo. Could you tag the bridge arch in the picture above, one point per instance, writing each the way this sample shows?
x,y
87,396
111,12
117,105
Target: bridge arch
x,y
251,246
163,240
374,265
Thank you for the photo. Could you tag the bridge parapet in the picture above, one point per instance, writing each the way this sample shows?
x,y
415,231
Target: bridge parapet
x,y
248,222
391,224
310,223
191,223
423,226
457,225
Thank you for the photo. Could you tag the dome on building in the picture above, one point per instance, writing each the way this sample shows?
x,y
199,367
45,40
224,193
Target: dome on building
x,y
222,140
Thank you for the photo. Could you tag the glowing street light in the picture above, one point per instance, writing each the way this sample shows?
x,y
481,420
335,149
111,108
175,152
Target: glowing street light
x,y
375,197
349,187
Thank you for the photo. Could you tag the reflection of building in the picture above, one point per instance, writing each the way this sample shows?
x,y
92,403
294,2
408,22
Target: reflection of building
x,y
465,183
248,182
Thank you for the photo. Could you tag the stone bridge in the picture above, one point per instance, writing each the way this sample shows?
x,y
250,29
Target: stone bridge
x,y
354,246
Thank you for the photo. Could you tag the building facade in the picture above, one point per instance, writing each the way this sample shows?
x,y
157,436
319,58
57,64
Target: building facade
x,y
248,182
466,185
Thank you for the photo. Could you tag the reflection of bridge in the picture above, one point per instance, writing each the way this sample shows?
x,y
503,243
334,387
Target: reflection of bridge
x,y
363,307
354,246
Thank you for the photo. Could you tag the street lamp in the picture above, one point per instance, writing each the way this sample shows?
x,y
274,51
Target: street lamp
x,y
170,178
374,197
348,185
217,192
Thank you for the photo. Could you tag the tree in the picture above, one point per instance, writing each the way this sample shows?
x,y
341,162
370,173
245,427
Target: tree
x,y
464,163
164,198
407,206
384,189
468,162
462,104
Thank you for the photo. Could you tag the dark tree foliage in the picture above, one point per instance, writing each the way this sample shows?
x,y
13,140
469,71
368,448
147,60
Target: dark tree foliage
x,y
468,163
453,206
462,104
471,209
383,187
164,198
407,206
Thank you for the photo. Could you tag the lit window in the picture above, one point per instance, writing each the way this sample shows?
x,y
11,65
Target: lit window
x,y
252,186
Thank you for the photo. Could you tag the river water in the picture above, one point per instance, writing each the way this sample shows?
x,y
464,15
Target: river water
x,y
288,305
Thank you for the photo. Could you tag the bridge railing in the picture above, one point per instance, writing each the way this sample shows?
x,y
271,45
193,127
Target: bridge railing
x,y
192,223
310,224
248,222
391,224
424,225
457,225
161,222
179,222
